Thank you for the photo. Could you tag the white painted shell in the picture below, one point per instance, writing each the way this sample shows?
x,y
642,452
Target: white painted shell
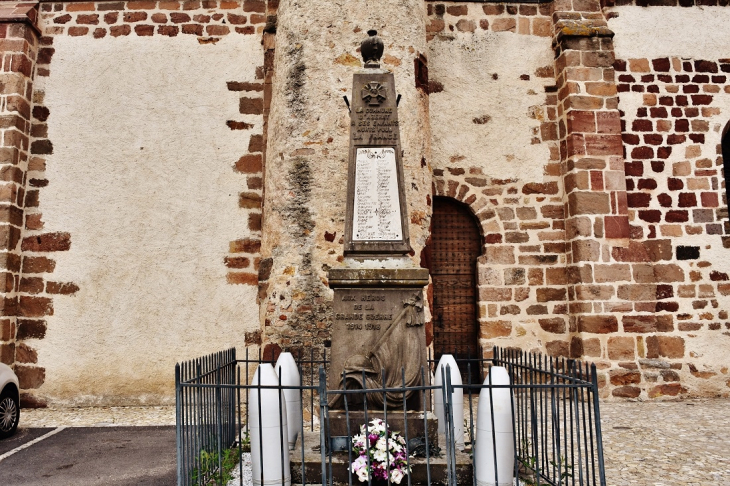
x,y
268,438
457,398
287,370
494,432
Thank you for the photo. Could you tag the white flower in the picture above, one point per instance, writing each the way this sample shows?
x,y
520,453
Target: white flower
x,y
358,440
396,476
380,446
376,426
359,464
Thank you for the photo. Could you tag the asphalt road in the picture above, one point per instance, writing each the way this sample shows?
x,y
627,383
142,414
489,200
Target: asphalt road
x,y
86,456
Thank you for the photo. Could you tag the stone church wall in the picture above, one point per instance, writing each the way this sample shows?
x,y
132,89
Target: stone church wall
x,y
674,90
142,212
493,108
173,180
603,229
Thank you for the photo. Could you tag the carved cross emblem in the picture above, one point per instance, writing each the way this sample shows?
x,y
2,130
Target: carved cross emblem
x,y
373,93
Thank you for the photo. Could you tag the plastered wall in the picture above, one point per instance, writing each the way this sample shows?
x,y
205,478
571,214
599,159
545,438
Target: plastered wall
x,y
488,96
652,32
141,178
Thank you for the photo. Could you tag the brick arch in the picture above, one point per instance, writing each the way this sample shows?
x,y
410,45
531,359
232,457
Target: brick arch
x,y
521,274
471,195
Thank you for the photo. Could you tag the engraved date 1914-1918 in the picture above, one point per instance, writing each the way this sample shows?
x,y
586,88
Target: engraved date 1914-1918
x,y
357,326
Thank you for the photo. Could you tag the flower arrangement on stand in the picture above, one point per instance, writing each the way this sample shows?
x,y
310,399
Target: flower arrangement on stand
x,y
386,450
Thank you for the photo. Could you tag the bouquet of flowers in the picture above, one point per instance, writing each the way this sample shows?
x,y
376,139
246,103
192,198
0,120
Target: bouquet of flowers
x,y
386,450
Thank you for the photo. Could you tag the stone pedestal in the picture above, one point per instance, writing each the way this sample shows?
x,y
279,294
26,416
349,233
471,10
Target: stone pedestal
x,y
418,424
436,470
378,336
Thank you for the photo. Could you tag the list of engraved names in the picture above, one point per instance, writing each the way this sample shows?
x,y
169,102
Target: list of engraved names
x,y
377,204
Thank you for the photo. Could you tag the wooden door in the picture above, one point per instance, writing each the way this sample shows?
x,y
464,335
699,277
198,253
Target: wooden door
x,y
455,246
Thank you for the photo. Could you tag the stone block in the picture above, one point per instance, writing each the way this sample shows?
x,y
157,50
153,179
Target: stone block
x,y
551,294
670,389
495,294
588,203
611,273
30,376
492,329
35,306
637,292
536,310
597,324
648,323
621,348
594,292
499,255
249,164
245,246
586,250
558,348
624,377
665,346
555,325
31,329
555,276
626,392
38,265
514,276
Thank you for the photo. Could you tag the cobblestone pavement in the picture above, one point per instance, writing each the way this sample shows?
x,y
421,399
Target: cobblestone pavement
x,y
646,443
667,443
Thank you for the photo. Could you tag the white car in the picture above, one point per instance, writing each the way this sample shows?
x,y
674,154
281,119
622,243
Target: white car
x,y
9,401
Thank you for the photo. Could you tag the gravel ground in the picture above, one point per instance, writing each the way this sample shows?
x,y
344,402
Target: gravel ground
x,y
236,481
646,443
96,416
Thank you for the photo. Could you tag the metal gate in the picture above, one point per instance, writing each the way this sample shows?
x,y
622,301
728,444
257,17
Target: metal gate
x,y
455,246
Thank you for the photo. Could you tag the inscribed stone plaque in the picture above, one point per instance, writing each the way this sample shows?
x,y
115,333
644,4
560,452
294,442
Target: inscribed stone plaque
x,y
379,335
377,202
377,218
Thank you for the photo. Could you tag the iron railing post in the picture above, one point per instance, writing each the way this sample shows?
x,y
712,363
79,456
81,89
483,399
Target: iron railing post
x,y
322,420
178,423
219,415
597,419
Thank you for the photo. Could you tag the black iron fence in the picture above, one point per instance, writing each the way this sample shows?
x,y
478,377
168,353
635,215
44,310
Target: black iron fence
x,y
205,407
548,422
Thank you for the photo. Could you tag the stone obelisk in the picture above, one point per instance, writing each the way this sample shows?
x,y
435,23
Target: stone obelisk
x,y
378,336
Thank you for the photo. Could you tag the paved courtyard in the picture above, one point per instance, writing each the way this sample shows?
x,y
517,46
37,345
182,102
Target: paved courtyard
x,y
669,443
646,443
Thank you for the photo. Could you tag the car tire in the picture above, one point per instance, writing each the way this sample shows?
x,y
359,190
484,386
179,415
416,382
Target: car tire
x,y
9,413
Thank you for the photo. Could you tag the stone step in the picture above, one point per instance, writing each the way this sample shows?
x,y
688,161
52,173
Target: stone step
x,y
339,465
